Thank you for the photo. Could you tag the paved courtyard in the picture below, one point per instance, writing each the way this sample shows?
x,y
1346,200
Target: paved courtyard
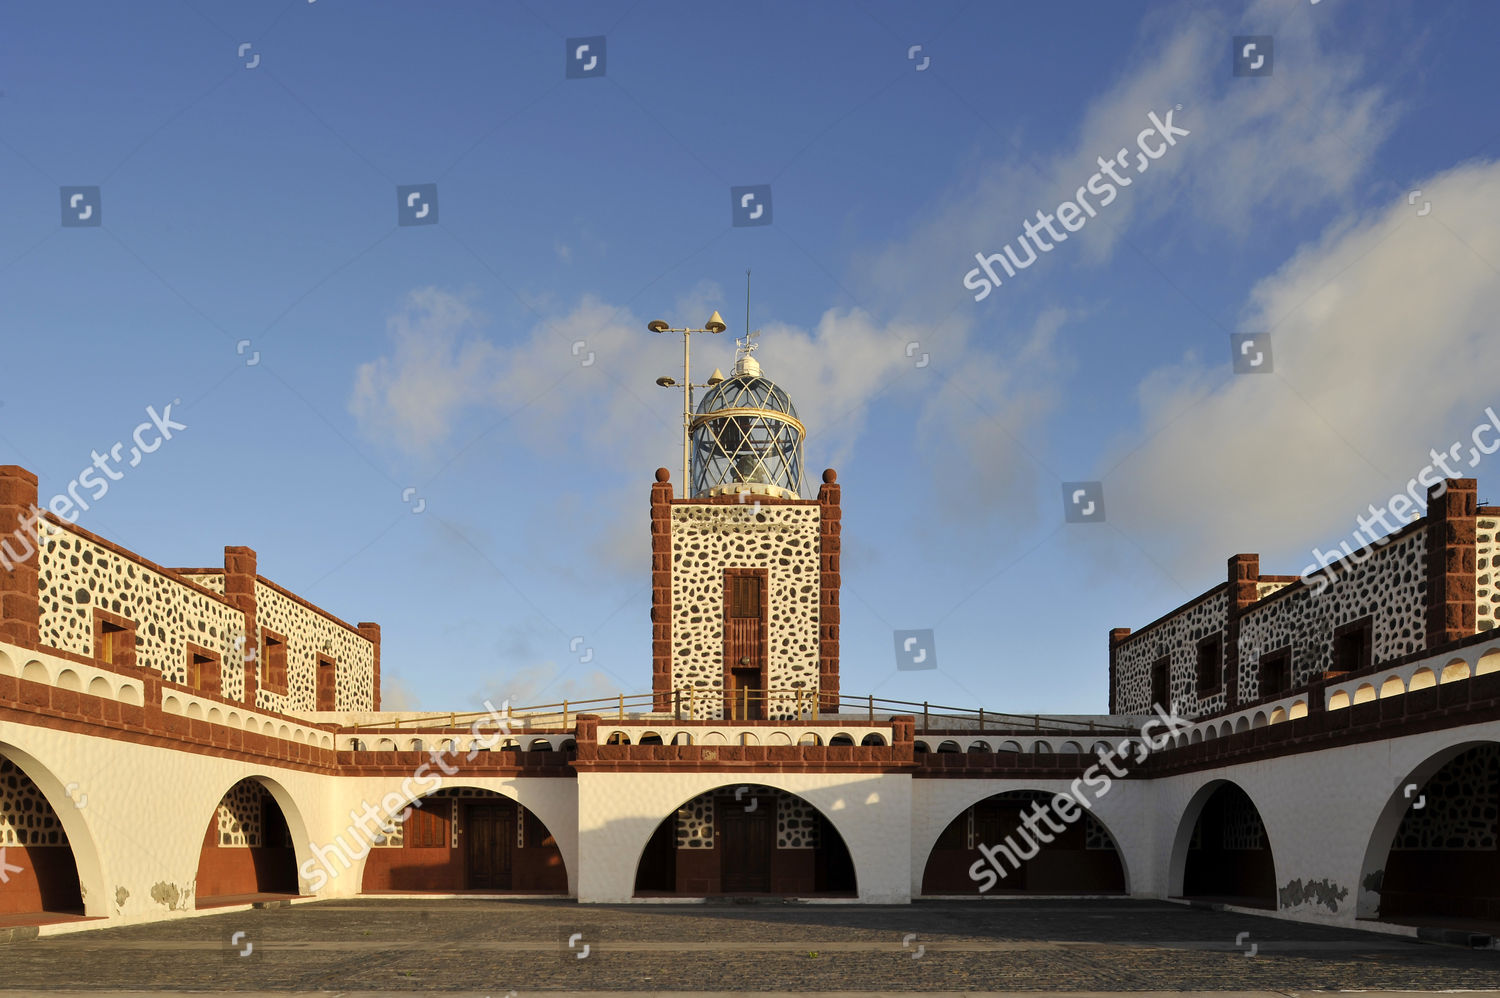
x,y
492,947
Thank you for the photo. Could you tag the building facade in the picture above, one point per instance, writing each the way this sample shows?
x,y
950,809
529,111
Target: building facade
x,y
179,739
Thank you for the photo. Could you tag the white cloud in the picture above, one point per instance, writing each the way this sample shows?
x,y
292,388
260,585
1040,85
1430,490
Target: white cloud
x,y
1384,348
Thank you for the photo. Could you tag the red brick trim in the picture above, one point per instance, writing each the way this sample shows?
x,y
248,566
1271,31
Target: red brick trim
x,y
830,544
20,607
305,604
1452,549
733,499
1117,637
239,588
1243,576
371,633
661,591
1181,609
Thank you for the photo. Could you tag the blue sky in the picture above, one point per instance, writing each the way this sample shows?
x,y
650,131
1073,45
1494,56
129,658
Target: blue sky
x,y
259,204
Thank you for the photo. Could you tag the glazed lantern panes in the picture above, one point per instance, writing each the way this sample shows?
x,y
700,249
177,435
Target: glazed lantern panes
x,y
746,435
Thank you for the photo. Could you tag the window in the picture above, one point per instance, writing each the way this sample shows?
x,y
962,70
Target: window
x,y
326,683
1353,646
114,639
1161,690
204,671
273,662
428,826
744,596
1210,664
1275,673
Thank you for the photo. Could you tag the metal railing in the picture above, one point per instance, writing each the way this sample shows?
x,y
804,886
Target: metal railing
x,y
746,704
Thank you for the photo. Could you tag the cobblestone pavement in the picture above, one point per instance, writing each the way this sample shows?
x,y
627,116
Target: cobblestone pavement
x,y
495,946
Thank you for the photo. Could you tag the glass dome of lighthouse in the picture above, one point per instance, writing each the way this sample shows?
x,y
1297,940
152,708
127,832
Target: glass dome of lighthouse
x,y
746,435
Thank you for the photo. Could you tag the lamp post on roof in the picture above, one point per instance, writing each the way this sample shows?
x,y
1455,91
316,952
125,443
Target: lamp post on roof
x,y
715,324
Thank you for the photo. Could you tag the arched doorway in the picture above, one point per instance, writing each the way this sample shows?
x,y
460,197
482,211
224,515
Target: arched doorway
x,y
466,839
1441,865
38,874
746,840
247,848
993,839
1225,854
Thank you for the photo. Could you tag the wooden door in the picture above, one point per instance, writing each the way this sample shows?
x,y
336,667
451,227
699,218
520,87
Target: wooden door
x,y
490,831
746,842
744,643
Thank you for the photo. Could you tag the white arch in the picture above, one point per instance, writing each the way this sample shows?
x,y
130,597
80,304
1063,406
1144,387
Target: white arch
x,y
1183,837
984,793
291,812
91,872
1378,844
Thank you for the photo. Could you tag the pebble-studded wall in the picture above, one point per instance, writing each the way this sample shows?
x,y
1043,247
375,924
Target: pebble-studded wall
x,y
783,540
76,575
1486,581
796,819
26,819
1391,585
1242,828
241,816
1175,638
1462,801
308,634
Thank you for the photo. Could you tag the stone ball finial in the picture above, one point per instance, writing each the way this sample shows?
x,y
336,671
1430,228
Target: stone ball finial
x,y
830,476
663,475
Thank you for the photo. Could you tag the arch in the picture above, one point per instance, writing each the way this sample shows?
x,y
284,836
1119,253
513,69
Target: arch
x,y
1488,662
1364,694
1040,747
1443,870
61,876
778,738
389,745
99,687
650,738
130,694
215,716
1196,738
284,733
416,745
722,843
431,845
1222,850
949,747
252,724
36,672
1241,724
1226,729
919,747
1259,720
1421,680
1454,671
873,738
1277,716
1070,748
685,738
299,736
570,746
841,739
194,710
980,746
810,738
233,719
1083,858
1010,746
355,745
7,665
714,738
67,679
1339,700
251,844
1299,709
544,745
1392,687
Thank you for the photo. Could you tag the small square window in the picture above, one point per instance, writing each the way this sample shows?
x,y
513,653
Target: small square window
x,y
1161,684
273,662
204,670
1276,673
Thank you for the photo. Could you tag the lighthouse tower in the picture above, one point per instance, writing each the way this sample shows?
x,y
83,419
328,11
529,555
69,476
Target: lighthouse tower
x,y
745,572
